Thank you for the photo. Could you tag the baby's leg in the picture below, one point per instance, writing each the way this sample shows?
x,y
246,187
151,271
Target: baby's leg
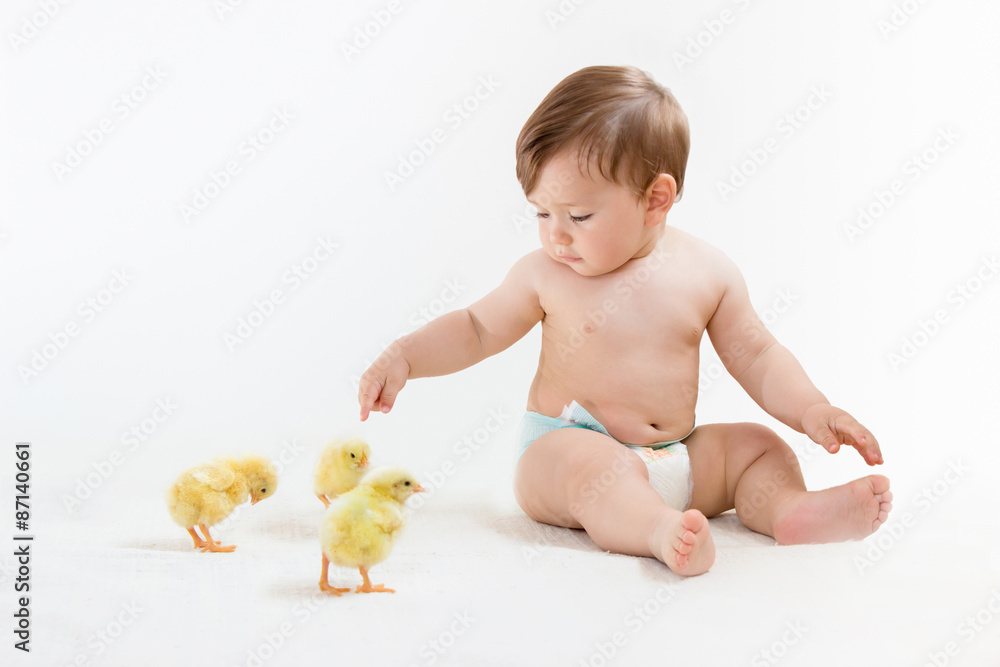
x,y
749,467
579,478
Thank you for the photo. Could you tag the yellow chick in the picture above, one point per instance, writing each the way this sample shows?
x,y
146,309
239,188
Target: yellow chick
x,y
207,494
340,467
361,525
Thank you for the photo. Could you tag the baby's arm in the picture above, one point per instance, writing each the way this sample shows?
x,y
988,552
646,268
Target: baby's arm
x,y
456,340
773,377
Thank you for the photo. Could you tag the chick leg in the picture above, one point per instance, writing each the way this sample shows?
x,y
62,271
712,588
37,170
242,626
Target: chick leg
x,y
198,542
367,587
323,499
212,545
324,581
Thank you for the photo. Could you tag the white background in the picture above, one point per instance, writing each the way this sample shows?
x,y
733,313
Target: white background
x,y
441,239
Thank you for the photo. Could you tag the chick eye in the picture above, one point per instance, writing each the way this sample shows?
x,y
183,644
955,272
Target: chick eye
x,y
406,483
263,490
352,456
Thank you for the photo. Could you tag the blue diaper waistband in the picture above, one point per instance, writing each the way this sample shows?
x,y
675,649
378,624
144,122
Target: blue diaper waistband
x,y
534,425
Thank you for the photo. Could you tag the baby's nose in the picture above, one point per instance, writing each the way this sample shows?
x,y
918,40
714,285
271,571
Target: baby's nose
x,y
559,236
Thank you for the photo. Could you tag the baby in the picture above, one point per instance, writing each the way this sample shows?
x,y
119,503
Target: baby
x,y
609,441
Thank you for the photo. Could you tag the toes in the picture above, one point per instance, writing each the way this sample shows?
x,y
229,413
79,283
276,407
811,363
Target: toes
x,y
693,520
879,484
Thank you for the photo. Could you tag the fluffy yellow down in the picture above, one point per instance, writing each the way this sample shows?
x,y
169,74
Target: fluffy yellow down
x,y
360,526
208,493
341,466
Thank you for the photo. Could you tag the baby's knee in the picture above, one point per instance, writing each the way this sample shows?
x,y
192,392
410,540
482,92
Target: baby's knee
x,y
751,434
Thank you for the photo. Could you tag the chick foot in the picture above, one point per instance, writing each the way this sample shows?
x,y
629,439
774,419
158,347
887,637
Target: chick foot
x,y
213,546
323,499
327,588
324,580
368,587
198,542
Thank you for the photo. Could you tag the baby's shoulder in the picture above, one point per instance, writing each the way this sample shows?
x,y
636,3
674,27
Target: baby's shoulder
x,y
699,252
532,266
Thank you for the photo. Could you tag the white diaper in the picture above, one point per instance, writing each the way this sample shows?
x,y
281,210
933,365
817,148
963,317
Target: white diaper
x,y
669,472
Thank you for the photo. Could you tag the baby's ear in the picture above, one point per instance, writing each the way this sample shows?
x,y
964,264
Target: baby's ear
x,y
660,197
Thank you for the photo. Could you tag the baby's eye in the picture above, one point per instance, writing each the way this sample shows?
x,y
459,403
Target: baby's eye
x,y
580,218
539,214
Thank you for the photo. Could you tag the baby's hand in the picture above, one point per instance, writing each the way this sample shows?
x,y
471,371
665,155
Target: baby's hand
x,y
382,381
831,427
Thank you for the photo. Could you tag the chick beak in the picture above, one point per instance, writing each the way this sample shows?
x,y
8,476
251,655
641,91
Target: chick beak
x,y
364,461
254,499
419,489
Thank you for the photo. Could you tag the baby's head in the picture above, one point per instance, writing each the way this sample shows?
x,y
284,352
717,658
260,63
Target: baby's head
x,y
607,147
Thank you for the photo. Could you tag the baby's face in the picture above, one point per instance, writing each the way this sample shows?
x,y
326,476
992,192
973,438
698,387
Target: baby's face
x,y
588,223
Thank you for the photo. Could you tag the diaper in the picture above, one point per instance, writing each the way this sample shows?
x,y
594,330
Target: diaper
x,y
667,462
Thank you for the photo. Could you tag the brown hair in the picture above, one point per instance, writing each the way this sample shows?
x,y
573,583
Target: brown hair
x,y
619,116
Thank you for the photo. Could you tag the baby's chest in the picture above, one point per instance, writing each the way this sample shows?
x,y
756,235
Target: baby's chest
x,y
627,312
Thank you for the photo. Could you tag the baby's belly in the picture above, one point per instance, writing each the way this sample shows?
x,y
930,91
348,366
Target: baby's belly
x,y
640,399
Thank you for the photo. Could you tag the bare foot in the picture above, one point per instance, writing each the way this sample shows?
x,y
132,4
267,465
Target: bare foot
x,y
683,542
850,511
